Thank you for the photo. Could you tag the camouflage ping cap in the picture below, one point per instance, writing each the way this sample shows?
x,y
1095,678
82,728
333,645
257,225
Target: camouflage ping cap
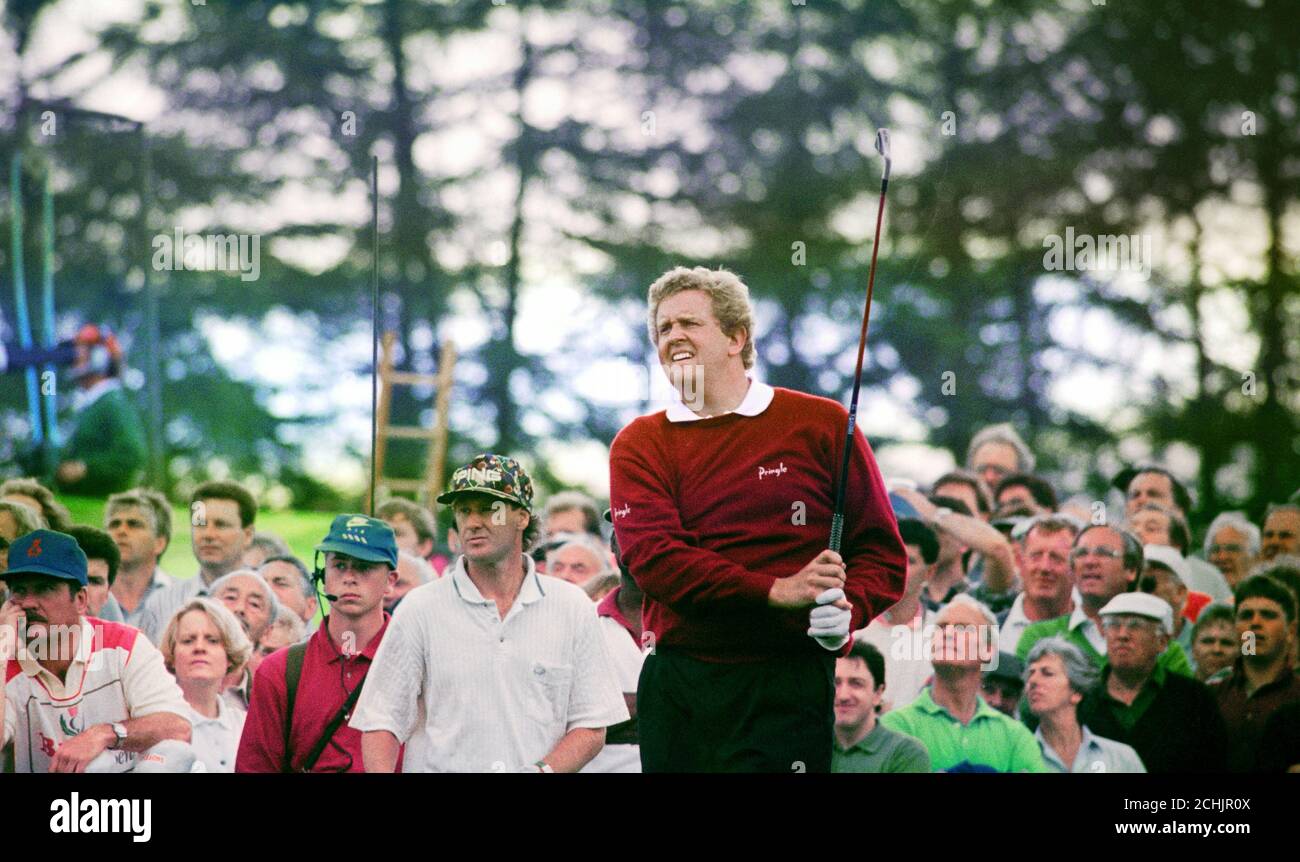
x,y
494,475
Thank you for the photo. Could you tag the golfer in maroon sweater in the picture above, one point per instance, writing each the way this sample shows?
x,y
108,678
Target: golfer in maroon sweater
x,y
722,506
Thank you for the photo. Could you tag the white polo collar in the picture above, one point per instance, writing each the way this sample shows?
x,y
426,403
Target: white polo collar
x,y
756,400
529,591
1077,617
225,715
1017,611
83,655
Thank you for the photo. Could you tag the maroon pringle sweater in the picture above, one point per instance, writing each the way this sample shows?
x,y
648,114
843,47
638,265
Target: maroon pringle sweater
x,y
709,513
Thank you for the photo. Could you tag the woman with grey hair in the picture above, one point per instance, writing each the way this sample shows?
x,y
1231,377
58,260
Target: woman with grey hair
x,y
1057,676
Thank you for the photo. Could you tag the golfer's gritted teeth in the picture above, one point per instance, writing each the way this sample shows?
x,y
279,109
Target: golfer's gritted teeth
x,y
680,353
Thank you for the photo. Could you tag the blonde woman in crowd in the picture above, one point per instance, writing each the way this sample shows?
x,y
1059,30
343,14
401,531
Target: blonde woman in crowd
x,y
202,645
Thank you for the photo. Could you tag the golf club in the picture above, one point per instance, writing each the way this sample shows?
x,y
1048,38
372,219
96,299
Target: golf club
x,y
837,518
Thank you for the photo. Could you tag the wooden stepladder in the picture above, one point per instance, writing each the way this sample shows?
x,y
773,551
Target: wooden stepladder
x,y
428,487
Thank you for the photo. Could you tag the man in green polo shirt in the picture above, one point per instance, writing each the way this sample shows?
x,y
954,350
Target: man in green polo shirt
x,y
960,730
1105,562
863,744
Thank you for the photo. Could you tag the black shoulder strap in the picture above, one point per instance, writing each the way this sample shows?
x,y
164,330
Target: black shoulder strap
x,y
292,673
332,728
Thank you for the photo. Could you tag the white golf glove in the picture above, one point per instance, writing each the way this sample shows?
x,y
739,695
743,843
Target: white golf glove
x,y
830,625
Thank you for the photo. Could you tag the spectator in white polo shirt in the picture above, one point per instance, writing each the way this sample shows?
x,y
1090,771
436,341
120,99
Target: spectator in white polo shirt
x,y
201,645
899,634
492,669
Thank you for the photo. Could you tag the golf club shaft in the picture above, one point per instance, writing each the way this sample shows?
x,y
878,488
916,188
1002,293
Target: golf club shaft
x,y
837,518
374,330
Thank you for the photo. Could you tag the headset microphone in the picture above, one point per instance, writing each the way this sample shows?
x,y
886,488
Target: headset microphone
x,y
318,578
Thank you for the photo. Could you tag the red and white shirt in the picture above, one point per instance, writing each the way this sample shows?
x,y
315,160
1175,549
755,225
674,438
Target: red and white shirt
x,y
116,675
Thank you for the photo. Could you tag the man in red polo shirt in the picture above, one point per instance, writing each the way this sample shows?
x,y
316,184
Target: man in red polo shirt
x,y
360,566
1261,681
722,506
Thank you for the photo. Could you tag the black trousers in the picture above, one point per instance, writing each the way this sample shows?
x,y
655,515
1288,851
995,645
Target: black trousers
x,y
773,716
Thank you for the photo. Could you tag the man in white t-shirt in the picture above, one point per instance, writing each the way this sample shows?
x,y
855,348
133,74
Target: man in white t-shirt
x,y
492,668
81,694
901,633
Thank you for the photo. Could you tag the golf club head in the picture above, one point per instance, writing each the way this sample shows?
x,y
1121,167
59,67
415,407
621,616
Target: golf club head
x,y
882,147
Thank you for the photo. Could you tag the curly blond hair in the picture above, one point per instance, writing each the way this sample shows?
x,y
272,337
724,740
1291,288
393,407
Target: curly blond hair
x,y
727,293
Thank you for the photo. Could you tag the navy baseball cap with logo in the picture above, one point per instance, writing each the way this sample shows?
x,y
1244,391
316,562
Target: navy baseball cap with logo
x,y
49,553
363,538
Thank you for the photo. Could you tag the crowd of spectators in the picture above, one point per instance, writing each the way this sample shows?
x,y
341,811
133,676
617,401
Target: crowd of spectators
x,y
1032,634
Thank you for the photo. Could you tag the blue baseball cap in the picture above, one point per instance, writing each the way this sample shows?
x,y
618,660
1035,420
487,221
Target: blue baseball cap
x,y
364,538
49,553
903,509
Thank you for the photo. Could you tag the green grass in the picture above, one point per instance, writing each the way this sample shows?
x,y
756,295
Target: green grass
x,y
301,530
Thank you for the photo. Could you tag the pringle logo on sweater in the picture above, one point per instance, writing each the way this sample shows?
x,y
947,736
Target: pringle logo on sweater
x,y
623,512
775,471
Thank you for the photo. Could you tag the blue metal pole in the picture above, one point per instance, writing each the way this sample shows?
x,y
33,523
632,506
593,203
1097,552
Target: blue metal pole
x,y
20,293
49,390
